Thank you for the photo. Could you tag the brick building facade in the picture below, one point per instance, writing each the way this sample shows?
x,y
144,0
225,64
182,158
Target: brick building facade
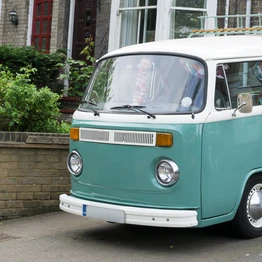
x,y
22,34
32,175
9,34
61,27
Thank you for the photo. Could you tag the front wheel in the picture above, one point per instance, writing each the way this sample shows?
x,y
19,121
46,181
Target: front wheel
x,y
248,220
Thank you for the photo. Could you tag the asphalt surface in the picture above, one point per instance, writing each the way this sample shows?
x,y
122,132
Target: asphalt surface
x,y
64,237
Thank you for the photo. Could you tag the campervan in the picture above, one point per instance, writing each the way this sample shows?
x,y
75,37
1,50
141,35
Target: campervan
x,y
168,134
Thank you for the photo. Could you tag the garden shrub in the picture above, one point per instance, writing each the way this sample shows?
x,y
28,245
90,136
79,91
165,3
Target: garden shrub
x,y
78,72
47,67
24,107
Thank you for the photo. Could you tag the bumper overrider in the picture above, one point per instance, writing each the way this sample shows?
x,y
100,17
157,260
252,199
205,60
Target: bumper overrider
x,y
127,214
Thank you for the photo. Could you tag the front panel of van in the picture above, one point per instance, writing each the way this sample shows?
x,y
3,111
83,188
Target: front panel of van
x,y
125,174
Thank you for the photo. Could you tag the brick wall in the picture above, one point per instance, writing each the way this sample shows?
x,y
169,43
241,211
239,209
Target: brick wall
x,y
238,7
60,23
9,33
33,173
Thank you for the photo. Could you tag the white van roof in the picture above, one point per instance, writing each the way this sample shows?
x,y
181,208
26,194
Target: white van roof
x,y
207,48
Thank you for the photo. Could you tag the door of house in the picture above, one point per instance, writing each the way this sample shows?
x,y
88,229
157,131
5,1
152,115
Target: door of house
x,y
84,25
41,29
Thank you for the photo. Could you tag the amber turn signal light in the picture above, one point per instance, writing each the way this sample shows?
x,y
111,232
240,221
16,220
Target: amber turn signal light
x,y
164,139
74,133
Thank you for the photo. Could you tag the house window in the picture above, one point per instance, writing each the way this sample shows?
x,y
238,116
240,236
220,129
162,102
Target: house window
x,y
42,19
138,21
184,17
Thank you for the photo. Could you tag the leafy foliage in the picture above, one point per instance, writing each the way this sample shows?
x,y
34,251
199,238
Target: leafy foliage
x,y
23,107
47,67
78,72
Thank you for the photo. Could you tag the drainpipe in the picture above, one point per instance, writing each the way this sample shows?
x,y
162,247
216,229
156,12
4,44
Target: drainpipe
x,y
226,13
248,12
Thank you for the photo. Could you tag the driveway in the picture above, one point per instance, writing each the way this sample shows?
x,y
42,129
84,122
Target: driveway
x,y
64,237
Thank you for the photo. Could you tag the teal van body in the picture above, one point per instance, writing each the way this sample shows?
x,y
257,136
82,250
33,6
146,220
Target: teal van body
x,y
231,152
168,134
127,173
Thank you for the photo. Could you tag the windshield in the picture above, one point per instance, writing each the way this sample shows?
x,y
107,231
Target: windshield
x,y
160,84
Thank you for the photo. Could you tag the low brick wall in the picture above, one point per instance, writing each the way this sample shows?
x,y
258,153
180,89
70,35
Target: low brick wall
x,y
33,173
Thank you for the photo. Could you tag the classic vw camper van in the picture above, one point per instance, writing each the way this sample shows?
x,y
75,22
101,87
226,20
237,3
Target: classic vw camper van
x,y
169,133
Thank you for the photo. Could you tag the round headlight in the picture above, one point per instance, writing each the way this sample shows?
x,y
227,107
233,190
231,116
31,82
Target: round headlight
x,y
167,172
74,163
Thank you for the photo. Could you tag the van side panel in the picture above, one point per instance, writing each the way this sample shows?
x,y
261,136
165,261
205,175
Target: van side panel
x,y
231,149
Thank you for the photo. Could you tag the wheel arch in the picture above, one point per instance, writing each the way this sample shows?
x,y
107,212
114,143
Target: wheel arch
x,y
251,174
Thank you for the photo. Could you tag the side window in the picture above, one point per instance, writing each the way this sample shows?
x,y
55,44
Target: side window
x,y
237,78
222,100
258,74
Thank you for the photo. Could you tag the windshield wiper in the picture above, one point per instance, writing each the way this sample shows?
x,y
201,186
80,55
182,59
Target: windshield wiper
x,y
91,104
134,108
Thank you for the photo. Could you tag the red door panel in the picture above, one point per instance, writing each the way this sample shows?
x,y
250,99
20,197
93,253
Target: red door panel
x,y
42,19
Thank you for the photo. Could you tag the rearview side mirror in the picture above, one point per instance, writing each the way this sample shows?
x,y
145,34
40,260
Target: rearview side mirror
x,y
244,103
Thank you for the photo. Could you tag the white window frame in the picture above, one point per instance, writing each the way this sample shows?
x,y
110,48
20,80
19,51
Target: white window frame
x,y
163,19
71,28
0,8
30,22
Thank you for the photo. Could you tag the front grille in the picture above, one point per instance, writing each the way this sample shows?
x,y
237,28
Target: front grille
x,y
94,135
118,137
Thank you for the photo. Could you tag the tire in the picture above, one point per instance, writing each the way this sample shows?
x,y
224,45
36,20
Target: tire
x,y
248,219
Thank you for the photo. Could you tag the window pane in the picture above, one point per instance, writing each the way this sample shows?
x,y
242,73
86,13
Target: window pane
x,y
134,3
50,25
37,27
148,2
147,26
129,28
51,9
221,93
243,78
45,26
183,22
88,19
37,43
46,8
151,25
38,11
190,3
138,26
44,43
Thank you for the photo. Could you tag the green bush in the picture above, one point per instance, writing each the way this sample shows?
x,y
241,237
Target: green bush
x,y
47,67
23,107
78,72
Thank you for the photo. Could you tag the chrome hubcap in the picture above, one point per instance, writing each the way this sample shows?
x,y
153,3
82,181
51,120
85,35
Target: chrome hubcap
x,y
254,206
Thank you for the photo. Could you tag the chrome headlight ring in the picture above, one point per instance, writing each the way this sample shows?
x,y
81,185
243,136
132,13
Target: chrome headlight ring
x,y
75,163
167,172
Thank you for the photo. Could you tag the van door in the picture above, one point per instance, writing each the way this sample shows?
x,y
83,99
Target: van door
x,y
231,145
